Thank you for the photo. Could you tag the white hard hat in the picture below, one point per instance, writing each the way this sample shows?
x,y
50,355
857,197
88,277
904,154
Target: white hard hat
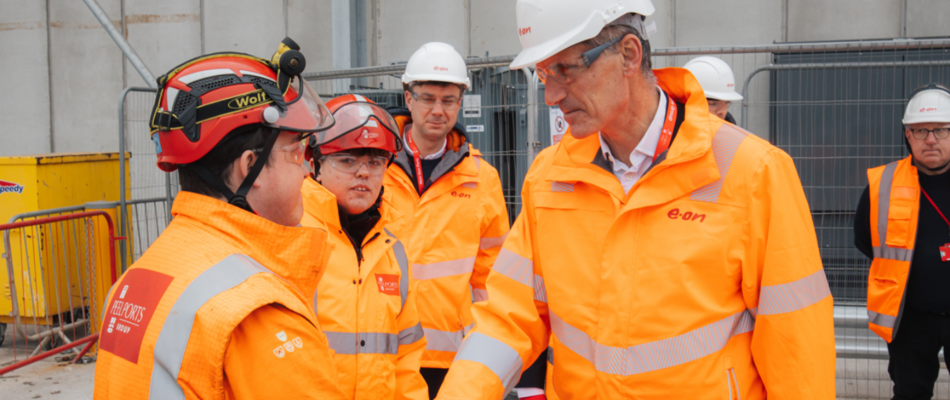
x,y
438,62
546,27
716,78
929,104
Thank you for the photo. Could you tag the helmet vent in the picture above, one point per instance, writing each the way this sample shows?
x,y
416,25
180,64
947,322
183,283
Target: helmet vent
x,y
260,81
215,82
183,100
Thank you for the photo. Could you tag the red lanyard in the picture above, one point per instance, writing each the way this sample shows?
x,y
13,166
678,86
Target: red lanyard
x,y
666,136
417,159
935,206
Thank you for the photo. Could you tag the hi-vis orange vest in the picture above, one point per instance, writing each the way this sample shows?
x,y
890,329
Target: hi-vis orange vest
x,y
703,282
895,204
454,233
215,275
368,309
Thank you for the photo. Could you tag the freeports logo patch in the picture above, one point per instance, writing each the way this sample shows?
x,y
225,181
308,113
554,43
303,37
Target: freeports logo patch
x,y
10,187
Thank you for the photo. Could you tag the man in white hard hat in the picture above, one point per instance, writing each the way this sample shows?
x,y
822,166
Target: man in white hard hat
x,y
901,221
458,216
664,253
718,82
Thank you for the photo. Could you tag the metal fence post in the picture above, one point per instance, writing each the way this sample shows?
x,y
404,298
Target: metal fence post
x,y
123,217
533,142
120,41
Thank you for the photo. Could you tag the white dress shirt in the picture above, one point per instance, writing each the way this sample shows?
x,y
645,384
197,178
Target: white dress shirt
x,y
641,158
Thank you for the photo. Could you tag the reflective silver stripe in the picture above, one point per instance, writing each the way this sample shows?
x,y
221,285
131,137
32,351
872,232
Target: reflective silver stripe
x,y
494,354
173,338
443,269
521,270
515,267
480,295
893,253
540,291
883,209
724,145
315,291
351,343
884,201
656,355
491,242
443,340
562,187
550,355
403,261
754,312
468,329
884,320
793,296
470,185
411,335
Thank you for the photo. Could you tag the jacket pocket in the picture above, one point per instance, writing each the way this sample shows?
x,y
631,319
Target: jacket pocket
x,y
733,384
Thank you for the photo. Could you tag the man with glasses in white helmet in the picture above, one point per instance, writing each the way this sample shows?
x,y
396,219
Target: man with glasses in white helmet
x,y
661,252
718,82
901,224
458,216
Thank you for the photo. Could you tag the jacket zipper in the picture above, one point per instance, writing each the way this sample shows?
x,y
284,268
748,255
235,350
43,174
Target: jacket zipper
x,y
733,384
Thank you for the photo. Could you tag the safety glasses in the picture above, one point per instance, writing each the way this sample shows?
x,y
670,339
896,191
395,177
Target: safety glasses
x,y
565,73
293,153
350,164
939,133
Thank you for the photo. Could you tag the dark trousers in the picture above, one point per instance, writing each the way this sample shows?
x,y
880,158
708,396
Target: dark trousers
x,y
914,354
434,378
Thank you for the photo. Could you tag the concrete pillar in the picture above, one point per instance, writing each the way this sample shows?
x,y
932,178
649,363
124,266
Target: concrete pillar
x,y
405,25
927,18
24,64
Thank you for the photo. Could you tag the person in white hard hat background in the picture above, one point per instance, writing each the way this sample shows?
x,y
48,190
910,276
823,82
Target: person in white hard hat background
x,y
718,82
458,214
662,253
901,223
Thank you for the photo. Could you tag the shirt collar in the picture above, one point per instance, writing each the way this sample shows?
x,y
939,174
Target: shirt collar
x,y
434,156
647,146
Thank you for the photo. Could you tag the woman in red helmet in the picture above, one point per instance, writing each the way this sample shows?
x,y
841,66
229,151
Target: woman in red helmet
x,y
219,306
364,301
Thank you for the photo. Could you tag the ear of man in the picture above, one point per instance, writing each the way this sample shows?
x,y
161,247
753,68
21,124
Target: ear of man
x,y
631,49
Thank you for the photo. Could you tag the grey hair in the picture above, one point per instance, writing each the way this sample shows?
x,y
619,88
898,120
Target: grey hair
x,y
613,31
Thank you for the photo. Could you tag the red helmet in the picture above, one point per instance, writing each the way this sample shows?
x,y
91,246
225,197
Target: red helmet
x,y
360,123
201,101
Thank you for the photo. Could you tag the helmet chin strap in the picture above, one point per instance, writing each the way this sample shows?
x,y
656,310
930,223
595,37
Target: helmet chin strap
x,y
239,198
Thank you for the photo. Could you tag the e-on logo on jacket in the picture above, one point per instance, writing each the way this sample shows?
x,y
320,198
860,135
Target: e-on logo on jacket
x,y
10,187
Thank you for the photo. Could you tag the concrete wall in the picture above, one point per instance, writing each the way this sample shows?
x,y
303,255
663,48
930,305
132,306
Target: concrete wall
x,y
64,72
25,120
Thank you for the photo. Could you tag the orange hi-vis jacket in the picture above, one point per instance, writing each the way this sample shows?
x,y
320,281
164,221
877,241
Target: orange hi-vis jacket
x,y
368,309
895,203
454,233
215,309
704,282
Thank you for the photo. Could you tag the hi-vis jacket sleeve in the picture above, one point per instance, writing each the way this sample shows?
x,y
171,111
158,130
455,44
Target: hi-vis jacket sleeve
x,y
256,369
412,342
494,230
784,285
511,328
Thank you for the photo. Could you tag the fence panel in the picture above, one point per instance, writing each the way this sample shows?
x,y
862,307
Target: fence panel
x,y
59,269
148,210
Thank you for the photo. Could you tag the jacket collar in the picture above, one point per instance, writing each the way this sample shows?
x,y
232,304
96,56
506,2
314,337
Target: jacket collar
x,y
690,153
320,204
458,147
296,254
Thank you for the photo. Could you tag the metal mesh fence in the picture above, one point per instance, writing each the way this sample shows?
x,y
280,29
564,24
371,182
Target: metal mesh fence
x,y
149,191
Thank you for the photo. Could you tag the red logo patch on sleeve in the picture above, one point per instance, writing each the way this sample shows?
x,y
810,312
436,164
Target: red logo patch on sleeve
x,y
388,284
130,310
